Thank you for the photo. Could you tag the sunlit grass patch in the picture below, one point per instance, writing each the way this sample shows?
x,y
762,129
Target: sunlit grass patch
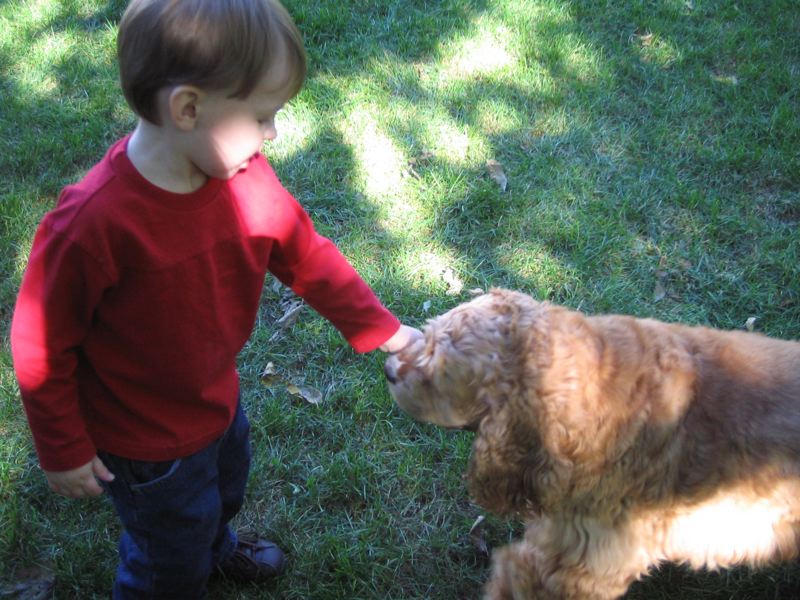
x,y
485,52
380,161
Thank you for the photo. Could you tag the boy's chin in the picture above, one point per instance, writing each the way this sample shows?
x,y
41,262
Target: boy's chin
x,y
229,173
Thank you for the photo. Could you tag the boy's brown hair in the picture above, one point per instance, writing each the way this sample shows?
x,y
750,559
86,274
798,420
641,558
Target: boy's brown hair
x,y
213,44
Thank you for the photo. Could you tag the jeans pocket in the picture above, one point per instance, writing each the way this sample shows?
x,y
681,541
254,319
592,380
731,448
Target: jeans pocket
x,y
145,475
139,476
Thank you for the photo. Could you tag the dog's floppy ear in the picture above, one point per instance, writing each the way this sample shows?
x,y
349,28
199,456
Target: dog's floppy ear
x,y
510,472
544,434
514,467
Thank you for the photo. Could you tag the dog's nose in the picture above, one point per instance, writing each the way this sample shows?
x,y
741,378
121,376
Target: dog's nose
x,y
389,371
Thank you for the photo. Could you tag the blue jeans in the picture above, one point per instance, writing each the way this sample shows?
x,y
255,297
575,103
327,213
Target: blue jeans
x,y
175,516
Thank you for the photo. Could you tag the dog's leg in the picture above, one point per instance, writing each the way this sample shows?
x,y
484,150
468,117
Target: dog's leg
x,y
560,563
514,575
517,575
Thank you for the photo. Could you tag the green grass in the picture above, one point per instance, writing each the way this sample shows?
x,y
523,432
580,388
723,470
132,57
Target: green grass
x,y
652,154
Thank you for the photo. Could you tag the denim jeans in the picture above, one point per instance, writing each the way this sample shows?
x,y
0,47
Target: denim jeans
x,y
175,516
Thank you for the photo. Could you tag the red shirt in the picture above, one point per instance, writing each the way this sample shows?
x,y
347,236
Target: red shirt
x,y
136,302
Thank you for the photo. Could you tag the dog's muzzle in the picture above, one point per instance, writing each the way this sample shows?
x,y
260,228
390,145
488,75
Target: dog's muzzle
x,y
390,372
391,367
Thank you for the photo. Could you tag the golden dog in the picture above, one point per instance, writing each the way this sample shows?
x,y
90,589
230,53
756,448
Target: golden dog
x,y
621,442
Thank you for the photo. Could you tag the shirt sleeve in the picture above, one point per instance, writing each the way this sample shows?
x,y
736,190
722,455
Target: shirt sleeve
x,y
60,288
314,268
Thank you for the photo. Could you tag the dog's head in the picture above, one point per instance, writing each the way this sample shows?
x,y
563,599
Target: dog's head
x,y
487,366
555,398
454,375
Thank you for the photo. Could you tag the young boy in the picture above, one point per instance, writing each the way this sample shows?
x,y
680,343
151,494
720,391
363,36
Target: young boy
x,y
143,285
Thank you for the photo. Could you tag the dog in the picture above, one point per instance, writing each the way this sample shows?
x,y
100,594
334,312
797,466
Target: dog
x,y
621,443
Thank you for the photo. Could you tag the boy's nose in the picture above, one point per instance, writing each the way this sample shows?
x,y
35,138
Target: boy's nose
x,y
270,132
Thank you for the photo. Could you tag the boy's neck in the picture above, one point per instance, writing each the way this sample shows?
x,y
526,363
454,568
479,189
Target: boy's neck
x,y
157,158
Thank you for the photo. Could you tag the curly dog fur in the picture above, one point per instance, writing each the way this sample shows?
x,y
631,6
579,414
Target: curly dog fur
x,y
621,442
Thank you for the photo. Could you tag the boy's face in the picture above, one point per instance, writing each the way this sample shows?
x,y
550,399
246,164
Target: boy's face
x,y
230,131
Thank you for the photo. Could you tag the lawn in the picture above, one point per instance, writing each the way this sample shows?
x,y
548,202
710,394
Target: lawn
x,y
637,157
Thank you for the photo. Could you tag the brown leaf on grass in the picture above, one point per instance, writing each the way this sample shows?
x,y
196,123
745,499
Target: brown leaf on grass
x,y
270,376
497,173
307,393
644,39
478,537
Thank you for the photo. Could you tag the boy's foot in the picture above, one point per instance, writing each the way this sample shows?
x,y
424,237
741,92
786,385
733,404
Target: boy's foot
x,y
254,559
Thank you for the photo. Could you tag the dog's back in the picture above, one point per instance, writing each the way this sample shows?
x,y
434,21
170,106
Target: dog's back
x,y
735,484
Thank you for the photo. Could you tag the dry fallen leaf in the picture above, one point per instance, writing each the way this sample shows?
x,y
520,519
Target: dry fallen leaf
x,y
645,39
478,537
497,173
307,393
269,376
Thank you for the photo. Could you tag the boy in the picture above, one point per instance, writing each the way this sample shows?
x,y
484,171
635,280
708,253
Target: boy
x,y
143,285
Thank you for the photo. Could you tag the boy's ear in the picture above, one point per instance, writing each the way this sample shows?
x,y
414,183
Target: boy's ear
x,y
182,103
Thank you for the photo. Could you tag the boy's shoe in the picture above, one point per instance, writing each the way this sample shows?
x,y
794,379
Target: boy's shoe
x,y
254,560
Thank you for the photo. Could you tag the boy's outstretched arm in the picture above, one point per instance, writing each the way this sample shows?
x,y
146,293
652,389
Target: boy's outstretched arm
x,y
404,336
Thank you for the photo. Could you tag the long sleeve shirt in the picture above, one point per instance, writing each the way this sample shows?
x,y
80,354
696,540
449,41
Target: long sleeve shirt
x,y
136,301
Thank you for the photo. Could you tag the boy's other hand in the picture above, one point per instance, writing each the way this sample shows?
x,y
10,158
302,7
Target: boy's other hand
x,y
80,482
404,336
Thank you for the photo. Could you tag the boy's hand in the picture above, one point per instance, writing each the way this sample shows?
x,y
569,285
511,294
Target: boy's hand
x,y
80,482
404,336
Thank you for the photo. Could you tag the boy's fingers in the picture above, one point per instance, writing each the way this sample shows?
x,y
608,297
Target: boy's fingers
x,y
81,482
91,488
100,470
